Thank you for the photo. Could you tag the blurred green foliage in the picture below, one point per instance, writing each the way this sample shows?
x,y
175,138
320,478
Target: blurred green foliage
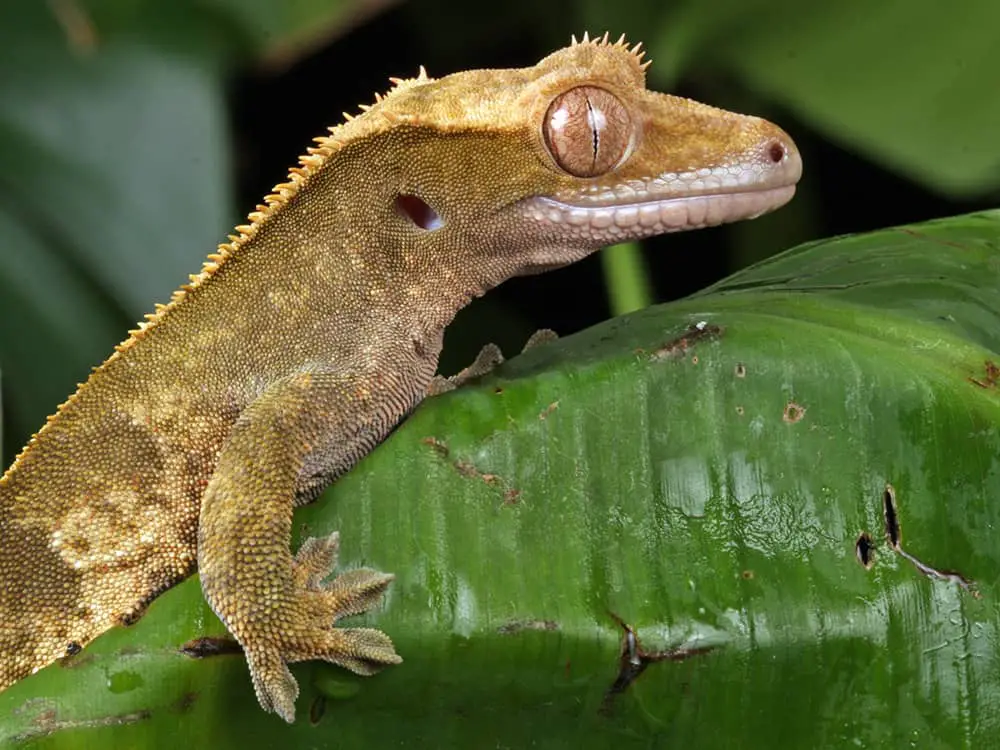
x,y
135,133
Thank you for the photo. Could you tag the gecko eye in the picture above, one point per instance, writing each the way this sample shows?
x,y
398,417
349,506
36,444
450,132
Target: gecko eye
x,y
587,130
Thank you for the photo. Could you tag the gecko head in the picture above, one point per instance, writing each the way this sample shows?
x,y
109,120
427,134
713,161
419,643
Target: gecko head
x,y
623,162
626,163
537,167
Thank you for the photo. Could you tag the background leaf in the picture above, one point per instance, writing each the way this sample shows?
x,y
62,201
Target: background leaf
x,y
107,199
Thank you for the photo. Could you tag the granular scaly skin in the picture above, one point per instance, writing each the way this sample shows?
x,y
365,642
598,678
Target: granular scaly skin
x,y
308,336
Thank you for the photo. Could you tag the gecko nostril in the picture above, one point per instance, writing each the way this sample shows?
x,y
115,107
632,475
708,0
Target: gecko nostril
x,y
776,151
417,211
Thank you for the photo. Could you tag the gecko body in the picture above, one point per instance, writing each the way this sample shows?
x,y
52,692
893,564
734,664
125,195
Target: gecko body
x,y
317,328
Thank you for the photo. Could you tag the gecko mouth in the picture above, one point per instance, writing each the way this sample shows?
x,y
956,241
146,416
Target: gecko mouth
x,y
762,179
628,221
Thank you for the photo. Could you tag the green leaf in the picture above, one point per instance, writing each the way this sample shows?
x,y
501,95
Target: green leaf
x,y
701,471
283,31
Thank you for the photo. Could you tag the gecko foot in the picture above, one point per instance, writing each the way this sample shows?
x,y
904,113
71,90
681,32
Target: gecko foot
x,y
309,633
489,358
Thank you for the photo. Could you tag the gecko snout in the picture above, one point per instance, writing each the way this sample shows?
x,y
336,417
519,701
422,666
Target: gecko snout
x,y
779,156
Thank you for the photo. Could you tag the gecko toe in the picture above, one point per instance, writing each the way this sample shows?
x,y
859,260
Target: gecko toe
x,y
315,559
350,593
274,684
363,651
539,337
356,591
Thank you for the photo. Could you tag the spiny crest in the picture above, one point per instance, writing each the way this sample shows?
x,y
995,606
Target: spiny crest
x,y
635,50
280,194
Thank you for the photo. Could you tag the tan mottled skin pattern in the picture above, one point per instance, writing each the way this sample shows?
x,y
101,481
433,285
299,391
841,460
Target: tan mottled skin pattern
x,y
296,350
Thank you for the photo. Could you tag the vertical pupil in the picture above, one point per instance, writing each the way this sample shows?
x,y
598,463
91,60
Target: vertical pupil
x,y
587,131
593,120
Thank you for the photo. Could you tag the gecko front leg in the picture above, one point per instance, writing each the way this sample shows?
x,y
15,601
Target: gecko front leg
x,y
277,606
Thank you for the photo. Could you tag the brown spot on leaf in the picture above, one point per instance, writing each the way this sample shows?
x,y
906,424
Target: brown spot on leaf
x,y
186,702
440,447
548,410
80,660
45,717
470,471
47,723
892,530
519,626
77,25
317,709
793,412
465,469
201,648
740,370
678,347
931,238
991,375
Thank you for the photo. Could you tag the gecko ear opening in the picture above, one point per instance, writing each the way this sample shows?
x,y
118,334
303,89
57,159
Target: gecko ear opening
x,y
417,211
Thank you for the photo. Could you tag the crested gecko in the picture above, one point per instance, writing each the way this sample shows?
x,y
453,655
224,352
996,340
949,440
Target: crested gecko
x,y
317,327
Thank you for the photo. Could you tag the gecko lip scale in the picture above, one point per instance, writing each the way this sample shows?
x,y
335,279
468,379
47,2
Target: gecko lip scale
x,y
646,218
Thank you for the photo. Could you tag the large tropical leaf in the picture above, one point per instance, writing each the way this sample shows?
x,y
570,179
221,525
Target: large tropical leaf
x,y
700,472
